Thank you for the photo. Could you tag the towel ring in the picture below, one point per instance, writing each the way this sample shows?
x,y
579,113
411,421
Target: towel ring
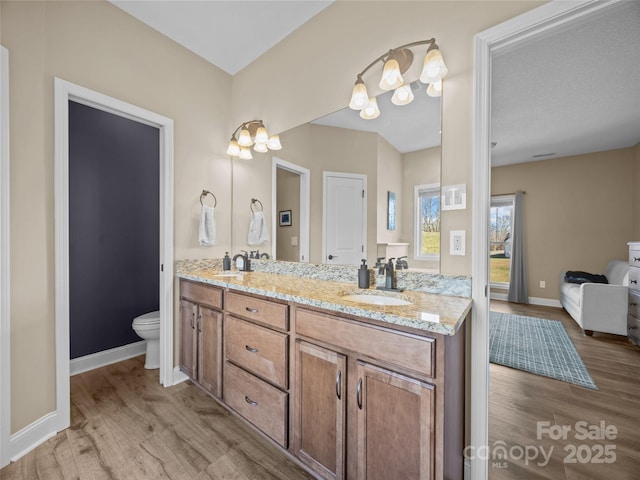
x,y
204,194
254,201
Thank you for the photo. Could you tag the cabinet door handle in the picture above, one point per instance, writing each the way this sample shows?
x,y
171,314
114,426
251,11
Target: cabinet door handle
x,y
338,386
250,402
251,310
193,315
359,394
633,281
633,304
199,323
250,349
636,259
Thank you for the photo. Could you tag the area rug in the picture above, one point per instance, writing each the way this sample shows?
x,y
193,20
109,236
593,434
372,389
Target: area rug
x,y
538,346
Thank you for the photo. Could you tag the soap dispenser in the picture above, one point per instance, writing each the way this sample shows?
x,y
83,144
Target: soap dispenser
x,y
363,275
226,262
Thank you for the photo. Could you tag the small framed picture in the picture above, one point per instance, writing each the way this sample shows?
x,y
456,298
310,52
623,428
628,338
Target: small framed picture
x,y
391,211
285,218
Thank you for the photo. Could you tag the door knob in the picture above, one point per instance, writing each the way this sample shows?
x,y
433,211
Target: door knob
x,y
331,257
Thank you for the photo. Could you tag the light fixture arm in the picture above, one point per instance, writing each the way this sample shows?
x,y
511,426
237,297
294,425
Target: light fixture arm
x,y
382,58
250,125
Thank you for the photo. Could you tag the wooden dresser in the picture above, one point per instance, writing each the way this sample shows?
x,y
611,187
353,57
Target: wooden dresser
x,y
633,316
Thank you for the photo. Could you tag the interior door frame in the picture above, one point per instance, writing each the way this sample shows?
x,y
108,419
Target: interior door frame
x,y
519,29
305,205
65,91
360,176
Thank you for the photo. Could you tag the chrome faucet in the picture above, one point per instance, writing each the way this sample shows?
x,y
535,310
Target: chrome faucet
x,y
401,264
246,263
387,270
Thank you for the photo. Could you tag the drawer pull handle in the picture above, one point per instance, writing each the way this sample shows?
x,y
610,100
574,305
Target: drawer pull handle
x,y
250,349
359,394
633,328
633,281
633,304
250,402
338,386
251,310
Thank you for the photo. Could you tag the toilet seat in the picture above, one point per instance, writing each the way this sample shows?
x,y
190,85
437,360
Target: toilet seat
x,y
148,319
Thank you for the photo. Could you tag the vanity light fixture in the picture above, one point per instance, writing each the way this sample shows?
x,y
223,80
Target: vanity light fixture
x,y
250,134
396,62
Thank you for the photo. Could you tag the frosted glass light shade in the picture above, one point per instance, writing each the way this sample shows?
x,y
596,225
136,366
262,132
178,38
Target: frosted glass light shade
x,y
434,68
245,153
371,110
244,140
274,143
233,149
402,95
261,135
435,89
260,147
359,96
391,76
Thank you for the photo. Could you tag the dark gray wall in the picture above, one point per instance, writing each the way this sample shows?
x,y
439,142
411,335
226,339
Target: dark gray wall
x,y
114,227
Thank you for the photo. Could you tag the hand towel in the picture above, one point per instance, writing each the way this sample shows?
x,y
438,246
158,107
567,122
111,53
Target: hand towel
x,y
258,233
207,229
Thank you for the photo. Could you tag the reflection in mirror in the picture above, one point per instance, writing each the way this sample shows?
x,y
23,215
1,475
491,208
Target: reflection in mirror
x,y
399,152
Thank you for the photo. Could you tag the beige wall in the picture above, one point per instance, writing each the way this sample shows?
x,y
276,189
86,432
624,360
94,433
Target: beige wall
x,y
577,213
389,165
310,74
636,195
288,198
98,46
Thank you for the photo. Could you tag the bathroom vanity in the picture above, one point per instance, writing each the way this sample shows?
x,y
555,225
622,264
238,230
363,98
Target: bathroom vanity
x,y
349,389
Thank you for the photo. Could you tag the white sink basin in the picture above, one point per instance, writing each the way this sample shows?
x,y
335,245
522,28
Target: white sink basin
x,y
375,299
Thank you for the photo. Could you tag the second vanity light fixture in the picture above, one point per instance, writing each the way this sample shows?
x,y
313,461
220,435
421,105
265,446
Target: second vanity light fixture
x,y
396,62
254,134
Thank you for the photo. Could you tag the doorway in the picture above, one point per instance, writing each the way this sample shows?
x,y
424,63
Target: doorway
x,y
290,193
345,218
64,92
538,21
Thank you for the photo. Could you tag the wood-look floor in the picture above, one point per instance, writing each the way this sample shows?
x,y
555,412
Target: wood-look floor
x,y
125,425
518,400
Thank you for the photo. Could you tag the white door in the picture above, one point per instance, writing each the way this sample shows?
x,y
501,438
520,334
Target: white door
x,y
345,218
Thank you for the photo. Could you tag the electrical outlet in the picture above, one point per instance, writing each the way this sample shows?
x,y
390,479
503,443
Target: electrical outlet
x,y
543,284
457,242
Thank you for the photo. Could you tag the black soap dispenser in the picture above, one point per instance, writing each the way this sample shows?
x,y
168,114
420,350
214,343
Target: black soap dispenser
x,y
226,262
363,275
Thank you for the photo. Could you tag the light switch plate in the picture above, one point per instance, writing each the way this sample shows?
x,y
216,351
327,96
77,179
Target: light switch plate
x,y
294,241
457,242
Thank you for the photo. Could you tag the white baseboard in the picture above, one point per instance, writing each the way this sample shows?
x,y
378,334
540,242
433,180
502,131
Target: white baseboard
x,y
545,302
107,357
32,435
178,377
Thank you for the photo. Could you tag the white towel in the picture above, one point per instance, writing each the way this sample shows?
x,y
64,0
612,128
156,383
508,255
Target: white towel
x,y
207,229
258,233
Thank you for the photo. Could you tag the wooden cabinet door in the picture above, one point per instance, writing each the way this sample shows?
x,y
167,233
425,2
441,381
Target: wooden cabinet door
x,y
319,433
395,433
188,338
209,325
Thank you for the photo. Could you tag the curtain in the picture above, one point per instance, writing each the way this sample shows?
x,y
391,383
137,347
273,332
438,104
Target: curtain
x,y
518,289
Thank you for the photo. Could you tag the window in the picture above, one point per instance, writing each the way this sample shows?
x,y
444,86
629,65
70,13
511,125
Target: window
x,y
427,226
500,234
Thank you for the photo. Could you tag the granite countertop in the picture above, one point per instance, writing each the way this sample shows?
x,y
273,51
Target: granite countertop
x,y
427,312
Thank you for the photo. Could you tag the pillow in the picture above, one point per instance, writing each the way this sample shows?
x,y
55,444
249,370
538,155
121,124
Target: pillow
x,y
584,277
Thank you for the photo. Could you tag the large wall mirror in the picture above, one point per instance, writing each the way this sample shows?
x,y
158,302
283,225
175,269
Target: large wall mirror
x,y
395,157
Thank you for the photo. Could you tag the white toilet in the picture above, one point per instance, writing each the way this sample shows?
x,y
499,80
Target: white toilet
x,y
147,326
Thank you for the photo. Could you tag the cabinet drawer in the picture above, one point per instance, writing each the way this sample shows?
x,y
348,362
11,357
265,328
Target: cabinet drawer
x,y
634,258
263,311
263,405
201,293
257,349
405,350
634,278
634,303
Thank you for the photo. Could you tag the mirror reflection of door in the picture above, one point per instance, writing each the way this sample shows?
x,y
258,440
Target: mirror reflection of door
x,y
288,199
344,218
